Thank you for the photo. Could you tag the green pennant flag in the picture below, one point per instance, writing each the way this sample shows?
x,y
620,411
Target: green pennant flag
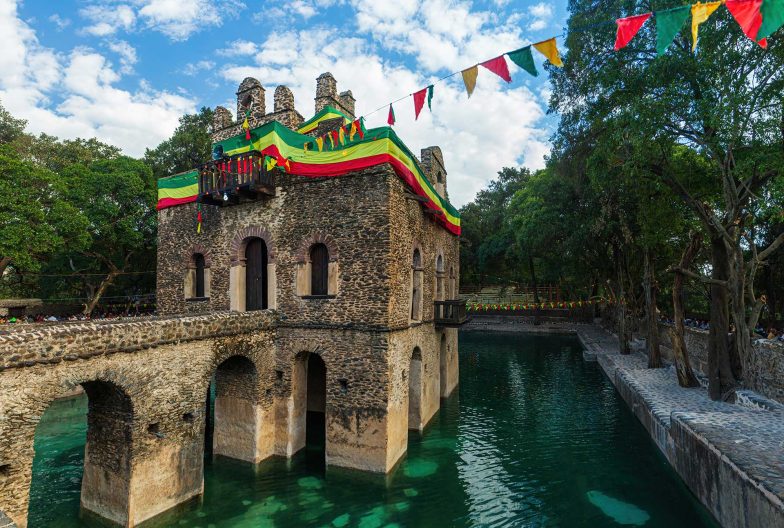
x,y
772,17
524,59
429,97
668,23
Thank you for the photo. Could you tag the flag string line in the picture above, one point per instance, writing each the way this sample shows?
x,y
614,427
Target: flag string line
x,y
578,29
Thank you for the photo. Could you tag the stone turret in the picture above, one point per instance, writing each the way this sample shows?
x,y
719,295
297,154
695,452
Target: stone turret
x,y
433,166
250,96
327,95
221,118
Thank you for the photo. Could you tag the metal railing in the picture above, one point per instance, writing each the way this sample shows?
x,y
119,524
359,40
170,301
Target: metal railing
x,y
232,176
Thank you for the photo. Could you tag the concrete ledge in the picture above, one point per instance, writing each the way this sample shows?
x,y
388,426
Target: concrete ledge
x,y
731,456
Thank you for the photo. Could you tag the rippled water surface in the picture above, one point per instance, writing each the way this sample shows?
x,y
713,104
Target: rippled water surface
x,y
535,437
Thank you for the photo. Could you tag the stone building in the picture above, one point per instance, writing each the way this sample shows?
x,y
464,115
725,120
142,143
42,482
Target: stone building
x,y
351,266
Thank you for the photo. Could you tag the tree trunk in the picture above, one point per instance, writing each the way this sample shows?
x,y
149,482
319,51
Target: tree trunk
x,y
105,283
654,353
4,262
536,292
720,377
623,329
686,377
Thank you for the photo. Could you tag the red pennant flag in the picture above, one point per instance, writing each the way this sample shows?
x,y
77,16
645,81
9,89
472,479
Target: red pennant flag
x,y
361,132
419,101
391,116
747,14
335,137
628,28
499,67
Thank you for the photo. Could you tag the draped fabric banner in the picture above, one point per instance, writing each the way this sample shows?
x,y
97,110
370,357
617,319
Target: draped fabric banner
x,y
772,12
628,28
469,79
499,67
668,23
549,49
525,59
699,14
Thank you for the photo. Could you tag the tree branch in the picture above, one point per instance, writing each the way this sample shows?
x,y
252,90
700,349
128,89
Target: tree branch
x,y
701,278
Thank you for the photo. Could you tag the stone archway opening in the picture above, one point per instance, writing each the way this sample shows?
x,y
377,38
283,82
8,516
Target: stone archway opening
x,y
310,406
415,380
83,446
233,417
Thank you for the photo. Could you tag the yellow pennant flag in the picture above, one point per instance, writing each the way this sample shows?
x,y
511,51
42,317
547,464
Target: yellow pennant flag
x,y
320,143
353,130
305,148
699,14
549,49
342,136
469,79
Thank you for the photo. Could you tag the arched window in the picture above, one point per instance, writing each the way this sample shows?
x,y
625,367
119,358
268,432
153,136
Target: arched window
x,y
440,278
319,269
439,177
198,260
416,286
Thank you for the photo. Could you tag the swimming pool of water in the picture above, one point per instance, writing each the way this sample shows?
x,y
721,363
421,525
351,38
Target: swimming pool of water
x,y
534,436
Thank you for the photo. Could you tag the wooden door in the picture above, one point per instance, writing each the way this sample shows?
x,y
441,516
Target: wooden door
x,y
256,275
319,269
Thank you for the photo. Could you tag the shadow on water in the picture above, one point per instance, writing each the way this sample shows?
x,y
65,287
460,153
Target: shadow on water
x,y
535,437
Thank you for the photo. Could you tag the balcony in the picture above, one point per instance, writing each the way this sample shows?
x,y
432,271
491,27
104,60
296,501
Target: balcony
x,y
235,179
449,313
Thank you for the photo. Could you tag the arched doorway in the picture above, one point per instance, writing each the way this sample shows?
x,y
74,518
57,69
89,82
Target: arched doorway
x,y
83,447
443,359
234,424
309,409
415,391
255,275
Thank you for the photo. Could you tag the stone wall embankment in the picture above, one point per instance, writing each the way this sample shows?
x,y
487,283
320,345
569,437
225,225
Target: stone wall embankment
x,y
53,344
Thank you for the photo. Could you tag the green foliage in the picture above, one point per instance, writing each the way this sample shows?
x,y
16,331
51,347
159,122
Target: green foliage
x,y
189,146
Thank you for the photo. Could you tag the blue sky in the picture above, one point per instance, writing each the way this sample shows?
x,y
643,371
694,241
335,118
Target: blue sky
x,y
125,70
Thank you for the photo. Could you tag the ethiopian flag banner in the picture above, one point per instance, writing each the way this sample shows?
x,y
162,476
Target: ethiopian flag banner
x,y
377,146
327,112
178,189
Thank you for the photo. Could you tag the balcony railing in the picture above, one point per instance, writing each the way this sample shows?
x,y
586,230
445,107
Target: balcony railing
x,y
234,179
449,313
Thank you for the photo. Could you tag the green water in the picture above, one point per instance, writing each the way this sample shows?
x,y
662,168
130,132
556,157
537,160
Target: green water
x,y
535,437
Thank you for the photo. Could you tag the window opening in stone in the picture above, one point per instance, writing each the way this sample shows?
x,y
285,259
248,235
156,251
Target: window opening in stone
x,y
319,269
255,275
198,260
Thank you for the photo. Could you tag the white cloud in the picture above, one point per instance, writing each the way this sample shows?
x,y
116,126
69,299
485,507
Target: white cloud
x,y
194,68
540,14
238,48
60,22
108,19
127,55
496,127
176,19
74,94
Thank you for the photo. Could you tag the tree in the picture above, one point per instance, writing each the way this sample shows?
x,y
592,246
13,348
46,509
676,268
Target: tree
x,y
723,103
189,146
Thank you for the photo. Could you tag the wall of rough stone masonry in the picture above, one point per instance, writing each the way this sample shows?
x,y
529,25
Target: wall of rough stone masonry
x,y
350,210
71,342
160,431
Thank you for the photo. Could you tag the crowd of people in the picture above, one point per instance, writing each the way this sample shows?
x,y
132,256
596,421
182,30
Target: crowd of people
x,y
771,334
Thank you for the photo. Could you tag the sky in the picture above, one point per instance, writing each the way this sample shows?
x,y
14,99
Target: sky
x,y
124,71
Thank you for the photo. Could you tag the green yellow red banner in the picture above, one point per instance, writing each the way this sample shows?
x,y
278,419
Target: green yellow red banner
x,y
378,146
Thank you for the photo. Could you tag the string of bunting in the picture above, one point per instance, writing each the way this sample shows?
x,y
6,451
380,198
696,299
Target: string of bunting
x,y
758,19
335,138
480,307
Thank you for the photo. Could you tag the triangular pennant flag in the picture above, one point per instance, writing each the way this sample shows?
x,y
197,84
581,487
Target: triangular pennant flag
x,y
747,15
469,79
525,59
342,136
430,97
668,23
334,137
499,67
419,101
391,116
549,49
320,143
246,125
352,131
699,14
628,28
305,148
772,17
360,127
